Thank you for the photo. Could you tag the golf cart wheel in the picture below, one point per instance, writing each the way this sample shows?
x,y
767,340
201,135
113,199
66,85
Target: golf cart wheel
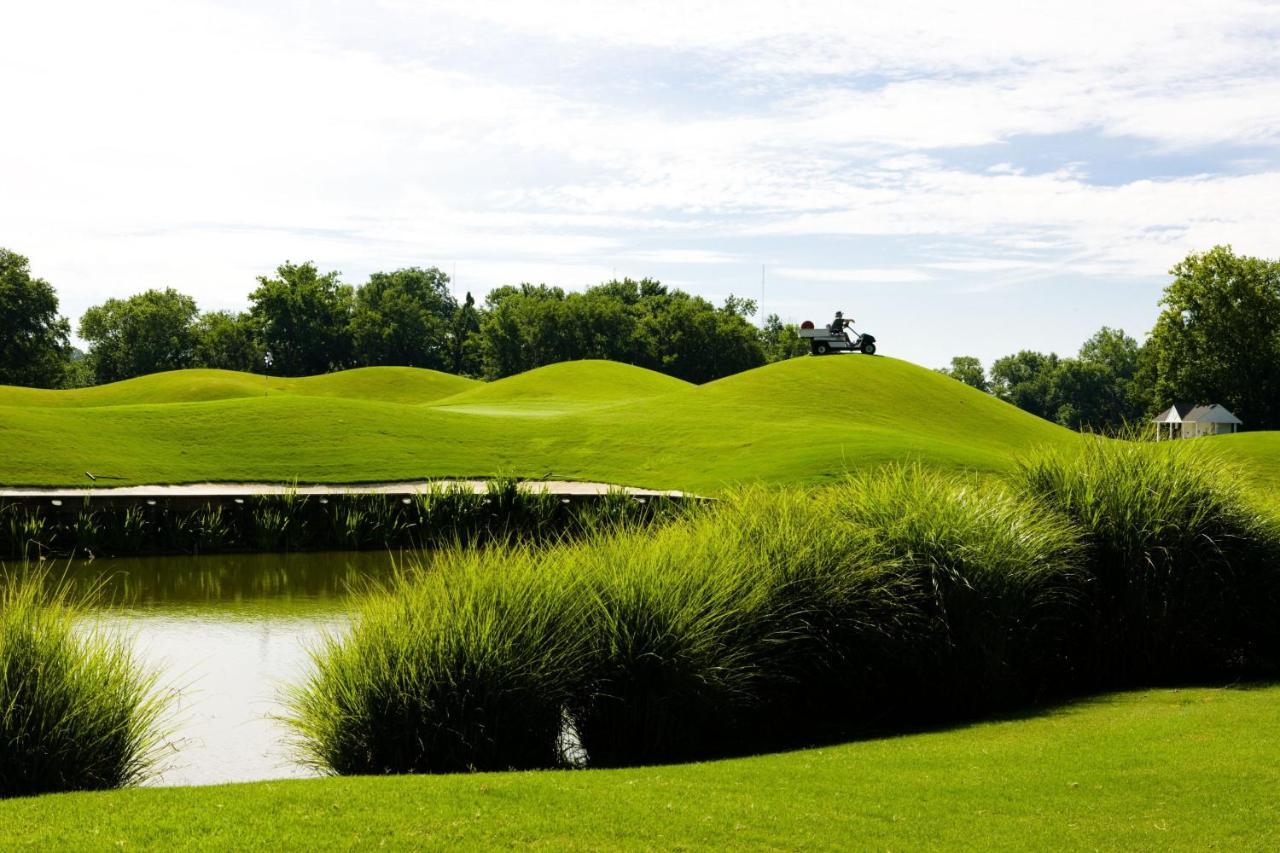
x,y
868,349
821,349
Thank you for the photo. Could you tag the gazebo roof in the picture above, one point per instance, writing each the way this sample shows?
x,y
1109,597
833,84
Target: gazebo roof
x,y
1188,413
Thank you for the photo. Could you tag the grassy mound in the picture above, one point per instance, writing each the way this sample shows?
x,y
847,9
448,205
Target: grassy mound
x,y
388,384
803,421
1256,455
76,711
566,386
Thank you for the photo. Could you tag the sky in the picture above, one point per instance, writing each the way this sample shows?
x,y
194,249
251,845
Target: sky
x,y
961,178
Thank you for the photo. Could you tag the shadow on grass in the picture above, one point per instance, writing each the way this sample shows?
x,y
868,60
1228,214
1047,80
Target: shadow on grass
x,y
1058,707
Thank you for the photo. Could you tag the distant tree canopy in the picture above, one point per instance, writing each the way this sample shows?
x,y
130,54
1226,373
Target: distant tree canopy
x,y
967,369
1217,340
781,341
637,322
464,356
405,318
1098,389
146,333
1218,337
227,341
308,322
34,339
303,320
1025,379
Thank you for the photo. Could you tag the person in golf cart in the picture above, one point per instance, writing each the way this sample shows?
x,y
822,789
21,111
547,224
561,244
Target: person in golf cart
x,y
839,324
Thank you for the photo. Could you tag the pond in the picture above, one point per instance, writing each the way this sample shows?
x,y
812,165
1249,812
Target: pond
x,y
229,632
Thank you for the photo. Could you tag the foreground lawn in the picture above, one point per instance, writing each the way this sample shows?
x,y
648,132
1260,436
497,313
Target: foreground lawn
x,y
1191,768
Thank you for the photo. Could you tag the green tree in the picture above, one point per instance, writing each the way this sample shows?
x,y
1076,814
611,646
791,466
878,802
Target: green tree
x,y
34,345
404,318
1218,338
303,319
969,370
522,328
465,355
1101,386
1082,395
781,341
149,332
637,322
1098,390
226,341
698,342
1026,379
79,370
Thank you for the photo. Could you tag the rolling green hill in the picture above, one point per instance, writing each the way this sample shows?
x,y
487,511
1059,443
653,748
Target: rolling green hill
x,y
564,387
388,384
798,421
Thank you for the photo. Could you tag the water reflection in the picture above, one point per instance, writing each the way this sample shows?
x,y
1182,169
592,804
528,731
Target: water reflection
x,y
229,631
290,584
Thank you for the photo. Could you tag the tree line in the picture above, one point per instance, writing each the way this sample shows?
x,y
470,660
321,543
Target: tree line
x,y
302,322
1216,340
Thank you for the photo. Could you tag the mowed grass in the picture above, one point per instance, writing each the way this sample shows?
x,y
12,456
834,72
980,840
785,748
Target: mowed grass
x,y
564,388
1154,770
803,421
386,384
1257,456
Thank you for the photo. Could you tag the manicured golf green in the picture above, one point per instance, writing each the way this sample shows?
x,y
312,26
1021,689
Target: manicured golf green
x,y
1157,770
799,421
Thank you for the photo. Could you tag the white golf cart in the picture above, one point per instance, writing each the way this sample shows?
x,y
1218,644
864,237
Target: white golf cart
x,y
832,339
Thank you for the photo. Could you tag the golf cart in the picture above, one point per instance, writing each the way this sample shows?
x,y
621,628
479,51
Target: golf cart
x,y
836,338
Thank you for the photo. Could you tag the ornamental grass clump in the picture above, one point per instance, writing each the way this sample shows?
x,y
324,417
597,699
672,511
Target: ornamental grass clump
x,y
77,711
1000,579
675,626
772,618
467,664
1186,568
727,633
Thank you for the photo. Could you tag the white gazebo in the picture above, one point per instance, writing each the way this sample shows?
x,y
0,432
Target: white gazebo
x,y
1184,420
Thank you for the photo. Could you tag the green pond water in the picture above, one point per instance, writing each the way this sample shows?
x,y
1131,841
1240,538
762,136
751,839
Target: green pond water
x,y
229,633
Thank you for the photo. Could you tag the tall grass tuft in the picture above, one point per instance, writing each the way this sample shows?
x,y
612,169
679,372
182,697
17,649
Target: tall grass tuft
x,y
674,624
463,668
76,710
773,618
1187,569
999,575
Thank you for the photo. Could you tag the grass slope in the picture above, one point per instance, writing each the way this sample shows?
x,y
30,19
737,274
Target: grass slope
x,y
1258,456
386,384
799,421
574,382
1157,770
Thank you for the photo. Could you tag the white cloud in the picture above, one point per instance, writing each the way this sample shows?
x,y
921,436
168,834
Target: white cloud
x,y
682,256
198,144
867,275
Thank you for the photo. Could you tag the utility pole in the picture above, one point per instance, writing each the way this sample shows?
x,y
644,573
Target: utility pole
x,y
762,296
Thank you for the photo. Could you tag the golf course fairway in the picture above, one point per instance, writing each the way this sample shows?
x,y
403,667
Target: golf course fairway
x,y
803,420
800,421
